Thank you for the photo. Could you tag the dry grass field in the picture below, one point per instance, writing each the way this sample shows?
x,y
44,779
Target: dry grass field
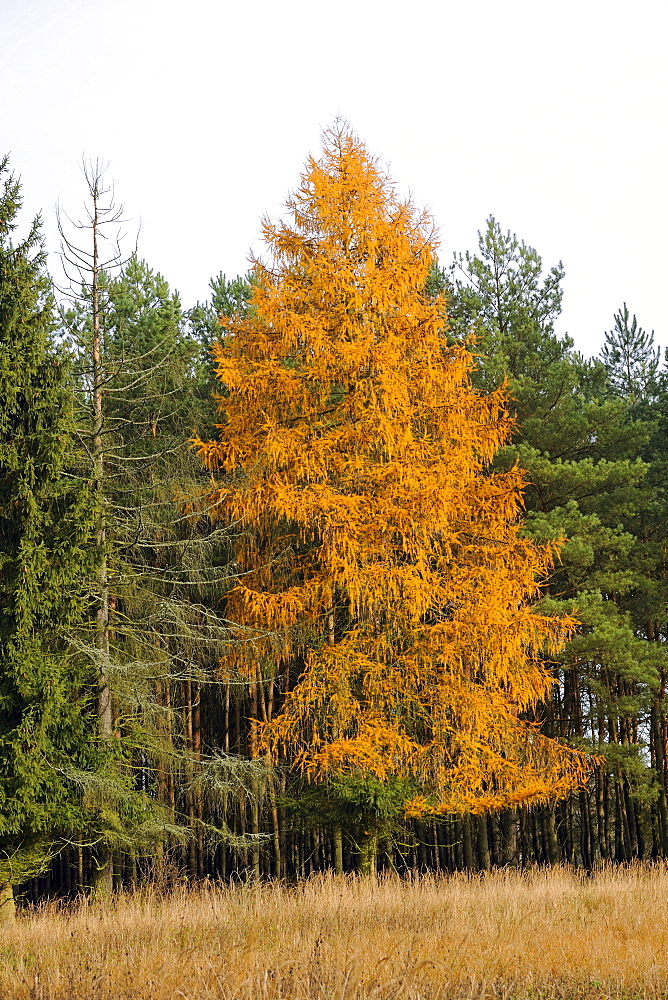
x,y
541,935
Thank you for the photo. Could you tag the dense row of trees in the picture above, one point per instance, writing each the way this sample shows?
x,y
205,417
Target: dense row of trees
x,y
334,643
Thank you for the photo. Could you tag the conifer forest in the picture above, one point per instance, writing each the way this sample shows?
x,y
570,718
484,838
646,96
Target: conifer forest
x,y
357,566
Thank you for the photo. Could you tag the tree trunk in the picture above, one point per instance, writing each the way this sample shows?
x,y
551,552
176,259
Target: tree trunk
x,y
337,836
552,839
103,877
255,829
102,880
600,813
483,843
190,795
7,904
467,843
509,828
369,853
657,746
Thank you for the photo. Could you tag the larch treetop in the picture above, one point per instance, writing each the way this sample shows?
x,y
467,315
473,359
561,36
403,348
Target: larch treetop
x,y
372,535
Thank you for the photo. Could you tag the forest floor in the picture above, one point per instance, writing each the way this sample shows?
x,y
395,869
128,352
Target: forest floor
x,y
541,934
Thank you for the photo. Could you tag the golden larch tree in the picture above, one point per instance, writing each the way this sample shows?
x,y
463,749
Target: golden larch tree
x,y
353,456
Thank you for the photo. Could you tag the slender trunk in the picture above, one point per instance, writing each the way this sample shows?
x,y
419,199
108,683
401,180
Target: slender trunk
x,y
422,848
255,786
171,791
197,751
537,830
509,828
492,829
569,841
467,842
552,839
266,709
624,817
337,836
242,824
316,859
630,814
657,746
104,695
237,724
600,812
190,795
639,831
282,828
609,817
161,773
255,829
69,873
483,843
585,839
103,879
226,740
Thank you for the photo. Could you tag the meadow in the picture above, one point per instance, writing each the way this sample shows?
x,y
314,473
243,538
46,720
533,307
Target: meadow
x,y
538,934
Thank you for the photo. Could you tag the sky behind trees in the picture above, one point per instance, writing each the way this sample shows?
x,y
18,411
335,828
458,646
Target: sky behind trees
x,y
550,119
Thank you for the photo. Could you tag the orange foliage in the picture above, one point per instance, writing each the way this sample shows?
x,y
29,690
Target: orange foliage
x,y
372,536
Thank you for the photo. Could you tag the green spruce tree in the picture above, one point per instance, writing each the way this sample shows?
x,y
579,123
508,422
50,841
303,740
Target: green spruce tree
x,y
45,528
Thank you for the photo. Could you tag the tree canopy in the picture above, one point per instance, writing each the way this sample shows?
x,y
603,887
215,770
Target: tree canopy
x,y
375,537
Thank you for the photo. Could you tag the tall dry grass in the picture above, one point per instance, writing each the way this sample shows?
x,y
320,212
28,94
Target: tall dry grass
x,y
541,934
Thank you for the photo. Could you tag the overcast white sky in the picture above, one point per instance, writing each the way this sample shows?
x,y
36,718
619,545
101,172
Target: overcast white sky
x,y
550,116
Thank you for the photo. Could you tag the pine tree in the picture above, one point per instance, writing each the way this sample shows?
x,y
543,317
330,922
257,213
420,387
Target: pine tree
x,y
631,359
580,444
375,542
45,527
502,297
229,297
